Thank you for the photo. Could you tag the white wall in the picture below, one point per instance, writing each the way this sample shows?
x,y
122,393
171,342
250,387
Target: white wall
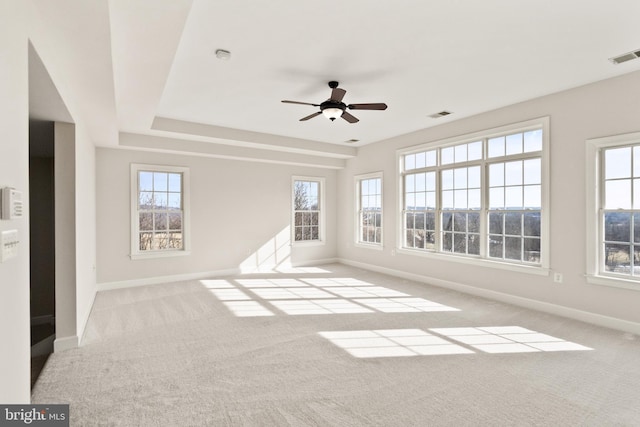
x,y
606,108
65,235
240,216
75,233
73,76
21,23
85,188
14,172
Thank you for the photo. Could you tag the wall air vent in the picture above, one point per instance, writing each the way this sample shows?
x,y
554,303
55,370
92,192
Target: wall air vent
x,y
625,57
440,114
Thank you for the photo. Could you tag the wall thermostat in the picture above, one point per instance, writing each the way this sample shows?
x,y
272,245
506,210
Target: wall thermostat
x,y
11,203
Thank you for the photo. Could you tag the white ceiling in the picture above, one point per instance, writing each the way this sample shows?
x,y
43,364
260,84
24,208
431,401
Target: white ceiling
x,y
418,56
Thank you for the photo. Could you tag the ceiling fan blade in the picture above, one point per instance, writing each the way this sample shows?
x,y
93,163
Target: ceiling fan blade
x,y
348,117
311,116
301,103
374,106
337,94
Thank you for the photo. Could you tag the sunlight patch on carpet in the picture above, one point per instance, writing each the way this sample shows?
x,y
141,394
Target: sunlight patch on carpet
x,y
290,293
404,305
320,306
336,281
248,308
507,339
216,284
292,296
392,343
271,283
230,294
446,341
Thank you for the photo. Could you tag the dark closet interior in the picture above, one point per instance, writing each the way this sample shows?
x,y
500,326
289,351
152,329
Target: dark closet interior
x,y
42,241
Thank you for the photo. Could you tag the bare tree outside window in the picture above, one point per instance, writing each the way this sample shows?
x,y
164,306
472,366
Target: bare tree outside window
x,y
306,205
621,213
482,198
370,210
420,204
160,211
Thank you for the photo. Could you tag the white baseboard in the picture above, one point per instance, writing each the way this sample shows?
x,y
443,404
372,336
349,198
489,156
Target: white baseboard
x,y
283,267
165,279
559,310
85,321
107,286
315,262
43,347
66,343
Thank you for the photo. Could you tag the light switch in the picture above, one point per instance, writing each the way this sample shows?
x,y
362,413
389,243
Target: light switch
x,y
9,245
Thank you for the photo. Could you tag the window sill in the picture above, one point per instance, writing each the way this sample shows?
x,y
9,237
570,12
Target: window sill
x,y
159,254
304,243
374,246
615,282
520,268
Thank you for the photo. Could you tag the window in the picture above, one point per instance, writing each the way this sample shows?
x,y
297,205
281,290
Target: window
x,y
514,210
419,208
159,206
308,224
480,196
369,209
614,208
461,210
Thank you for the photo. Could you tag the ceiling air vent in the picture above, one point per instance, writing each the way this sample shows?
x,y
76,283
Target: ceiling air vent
x,y
352,141
625,57
440,114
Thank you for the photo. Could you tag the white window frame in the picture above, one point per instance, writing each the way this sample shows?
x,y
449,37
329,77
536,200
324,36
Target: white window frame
x,y
543,268
136,253
321,207
596,273
358,214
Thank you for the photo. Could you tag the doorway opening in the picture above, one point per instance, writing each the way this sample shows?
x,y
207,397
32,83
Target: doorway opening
x,y
42,243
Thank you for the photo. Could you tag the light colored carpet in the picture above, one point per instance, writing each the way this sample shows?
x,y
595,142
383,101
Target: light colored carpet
x,y
203,353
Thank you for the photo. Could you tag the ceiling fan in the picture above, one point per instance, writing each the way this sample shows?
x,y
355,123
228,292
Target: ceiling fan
x,y
333,107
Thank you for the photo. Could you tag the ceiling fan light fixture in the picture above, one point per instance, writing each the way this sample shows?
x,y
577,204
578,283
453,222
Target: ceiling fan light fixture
x,y
332,113
333,107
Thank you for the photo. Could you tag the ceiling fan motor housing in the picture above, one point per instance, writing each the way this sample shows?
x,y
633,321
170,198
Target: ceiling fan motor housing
x,y
333,107
332,104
